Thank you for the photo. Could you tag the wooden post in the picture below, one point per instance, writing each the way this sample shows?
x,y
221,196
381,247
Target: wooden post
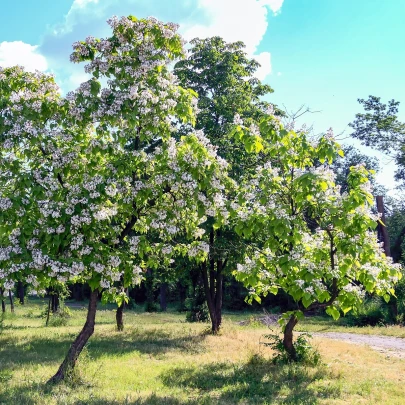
x,y
382,229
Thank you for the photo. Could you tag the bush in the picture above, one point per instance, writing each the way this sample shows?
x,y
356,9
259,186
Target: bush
x,y
60,317
151,306
306,354
400,301
373,311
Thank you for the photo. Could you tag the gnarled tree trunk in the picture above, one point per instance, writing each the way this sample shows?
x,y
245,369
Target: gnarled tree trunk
x,y
288,338
119,317
81,340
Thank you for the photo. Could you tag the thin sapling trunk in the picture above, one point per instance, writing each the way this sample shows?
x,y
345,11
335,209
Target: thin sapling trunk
x,y
10,296
119,316
48,312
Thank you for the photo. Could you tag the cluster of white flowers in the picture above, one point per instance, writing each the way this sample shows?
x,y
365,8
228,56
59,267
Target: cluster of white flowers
x,y
5,204
198,248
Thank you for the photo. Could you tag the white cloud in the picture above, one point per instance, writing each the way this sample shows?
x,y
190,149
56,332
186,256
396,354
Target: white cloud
x,y
237,20
83,3
234,20
274,5
20,53
264,59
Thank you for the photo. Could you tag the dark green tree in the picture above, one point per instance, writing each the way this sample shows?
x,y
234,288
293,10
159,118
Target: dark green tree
x,y
352,157
380,128
223,76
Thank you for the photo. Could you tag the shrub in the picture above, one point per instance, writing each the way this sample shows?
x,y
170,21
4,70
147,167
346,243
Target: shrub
x,y
60,317
306,353
373,311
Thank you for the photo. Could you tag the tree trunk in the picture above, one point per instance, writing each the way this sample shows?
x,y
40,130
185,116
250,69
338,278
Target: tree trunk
x,y
119,316
382,229
3,303
163,297
49,311
213,285
10,296
214,296
218,292
21,292
77,346
55,301
210,304
288,338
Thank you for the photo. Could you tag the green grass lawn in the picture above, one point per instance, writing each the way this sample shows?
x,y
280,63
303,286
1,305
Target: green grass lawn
x,y
160,359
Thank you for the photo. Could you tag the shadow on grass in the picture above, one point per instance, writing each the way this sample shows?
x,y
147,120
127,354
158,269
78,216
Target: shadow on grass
x,y
42,350
152,341
255,382
252,383
30,395
149,400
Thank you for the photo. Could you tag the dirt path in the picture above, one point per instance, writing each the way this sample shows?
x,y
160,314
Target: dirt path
x,y
388,345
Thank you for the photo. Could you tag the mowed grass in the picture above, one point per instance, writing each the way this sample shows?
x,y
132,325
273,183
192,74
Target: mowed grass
x,y
160,359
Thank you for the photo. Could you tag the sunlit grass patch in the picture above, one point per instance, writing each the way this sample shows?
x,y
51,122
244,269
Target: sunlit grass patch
x,y
160,359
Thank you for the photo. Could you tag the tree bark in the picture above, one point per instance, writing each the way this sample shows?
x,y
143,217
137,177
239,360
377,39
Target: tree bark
x,y
21,292
163,297
77,346
119,316
288,338
10,296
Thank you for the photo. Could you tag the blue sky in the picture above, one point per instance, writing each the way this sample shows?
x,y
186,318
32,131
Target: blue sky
x,y
320,53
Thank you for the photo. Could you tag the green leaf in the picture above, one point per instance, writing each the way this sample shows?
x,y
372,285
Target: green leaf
x,y
333,312
95,87
273,289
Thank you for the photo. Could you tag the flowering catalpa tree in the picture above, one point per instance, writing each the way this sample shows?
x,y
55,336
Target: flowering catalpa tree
x,y
94,186
309,239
